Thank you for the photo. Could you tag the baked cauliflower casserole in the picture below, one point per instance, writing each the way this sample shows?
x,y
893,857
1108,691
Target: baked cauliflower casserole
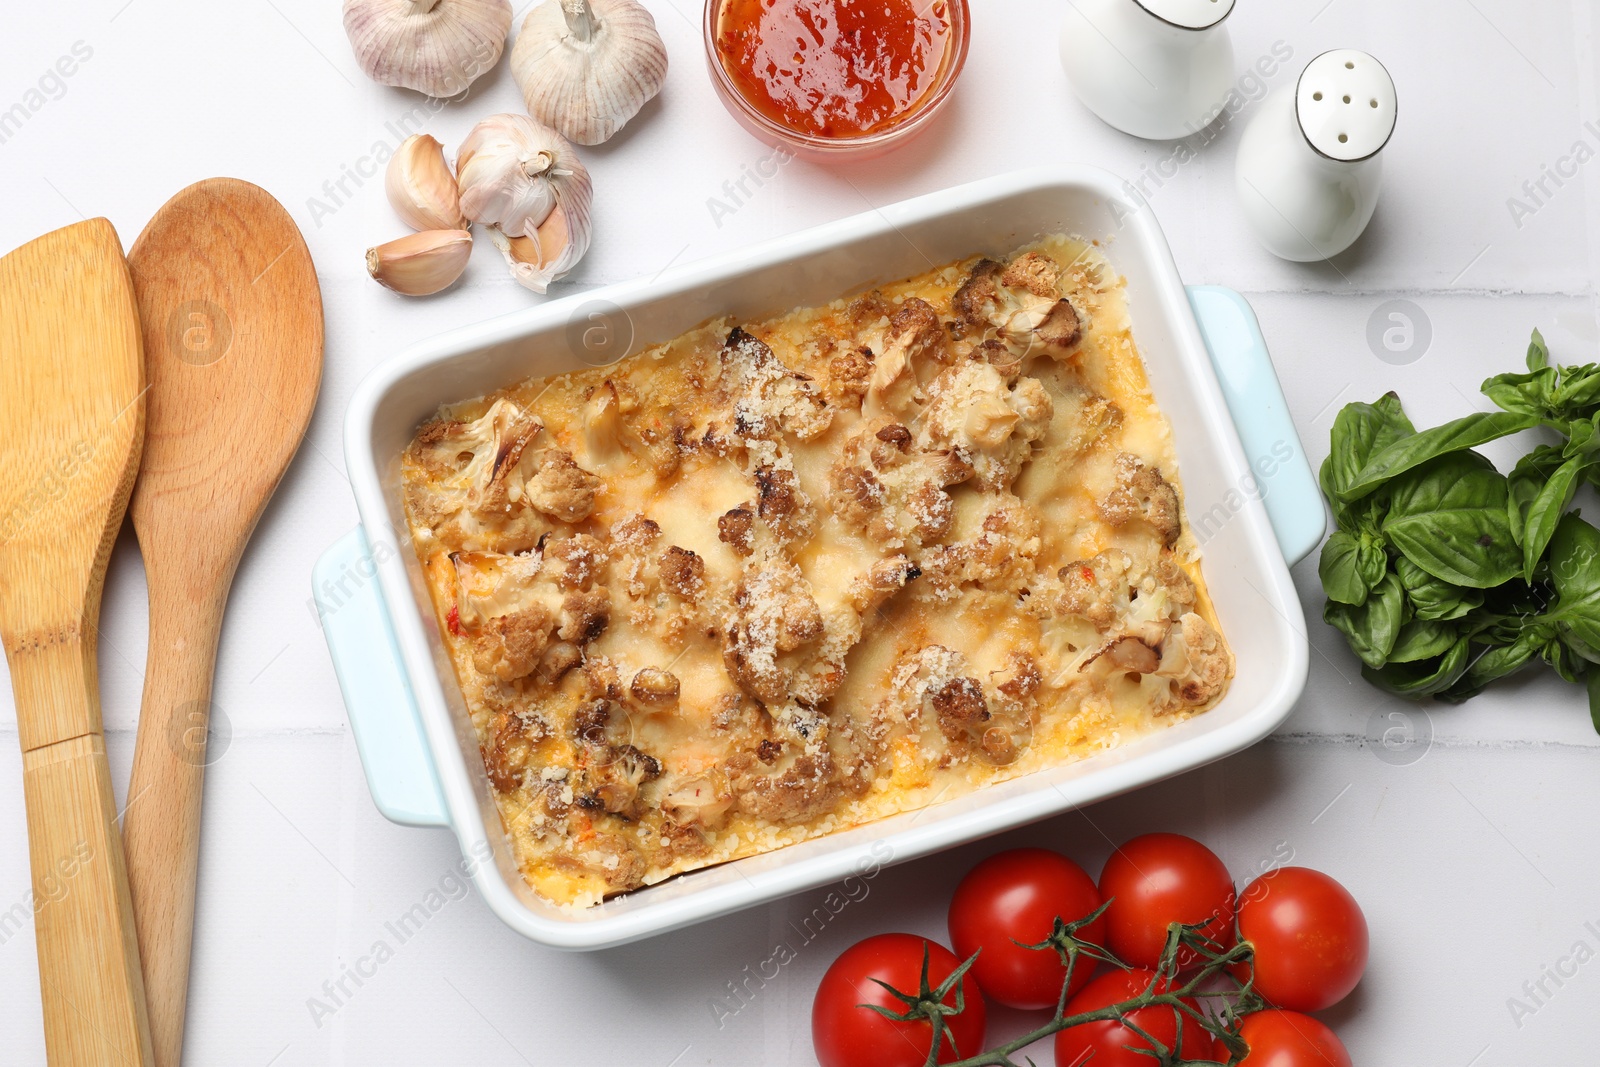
x,y
773,579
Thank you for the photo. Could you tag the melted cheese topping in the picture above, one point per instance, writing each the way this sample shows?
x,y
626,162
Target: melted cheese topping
x,y
763,582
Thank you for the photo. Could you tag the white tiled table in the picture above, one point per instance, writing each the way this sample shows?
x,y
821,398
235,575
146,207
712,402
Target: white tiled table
x,y
1476,864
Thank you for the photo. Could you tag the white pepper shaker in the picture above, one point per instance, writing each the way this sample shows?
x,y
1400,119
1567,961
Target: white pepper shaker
x,y
1310,167
1159,69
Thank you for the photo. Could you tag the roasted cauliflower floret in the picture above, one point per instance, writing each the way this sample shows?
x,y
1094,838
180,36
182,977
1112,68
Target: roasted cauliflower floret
x,y
978,299
510,744
700,801
487,468
683,573
805,789
584,616
475,472
989,426
737,529
655,687
1022,301
1061,328
882,486
960,708
856,494
768,397
576,561
561,488
915,326
1000,557
1095,589
935,695
617,778
782,503
914,347
885,578
774,613
1194,662
849,372
1035,272
508,647
1142,495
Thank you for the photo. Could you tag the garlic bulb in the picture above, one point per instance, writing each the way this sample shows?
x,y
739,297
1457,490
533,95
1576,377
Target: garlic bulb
x,y
587,66
420,264
437,47
421,187
524,180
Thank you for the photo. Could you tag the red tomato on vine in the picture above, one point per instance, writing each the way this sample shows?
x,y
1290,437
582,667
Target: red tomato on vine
x,y
1109,1043
1309,937
1013,897
1158,879
1290,1039
844,1034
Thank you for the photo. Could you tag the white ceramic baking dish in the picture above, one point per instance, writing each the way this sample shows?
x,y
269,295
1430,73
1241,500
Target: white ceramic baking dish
x,y
1250,496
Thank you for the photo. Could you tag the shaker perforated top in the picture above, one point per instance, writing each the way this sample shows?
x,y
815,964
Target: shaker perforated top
x,y
1189,14
1346,104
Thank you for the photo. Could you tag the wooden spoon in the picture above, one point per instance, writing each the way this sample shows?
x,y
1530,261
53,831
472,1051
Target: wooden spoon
x,y
233,341
72,402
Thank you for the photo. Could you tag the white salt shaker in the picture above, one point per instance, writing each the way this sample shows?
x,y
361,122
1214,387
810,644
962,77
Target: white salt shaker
x,y
1159,69
1309,167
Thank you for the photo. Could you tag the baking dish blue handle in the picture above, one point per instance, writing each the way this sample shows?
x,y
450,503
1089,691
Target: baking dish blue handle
x,y
1250,386
377,693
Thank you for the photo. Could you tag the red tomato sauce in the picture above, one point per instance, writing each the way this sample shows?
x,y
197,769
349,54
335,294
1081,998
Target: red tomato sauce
x,y
834,68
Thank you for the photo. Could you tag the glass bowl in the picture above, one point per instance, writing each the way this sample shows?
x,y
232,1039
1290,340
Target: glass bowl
x,y
830,149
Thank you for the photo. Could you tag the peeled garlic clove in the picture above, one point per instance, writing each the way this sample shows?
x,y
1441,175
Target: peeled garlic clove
x,y
587,66
513,171
437,47
421,187
553,250
420,264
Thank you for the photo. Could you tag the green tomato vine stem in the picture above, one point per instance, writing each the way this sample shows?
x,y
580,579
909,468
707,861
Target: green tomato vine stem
x,y
1166,990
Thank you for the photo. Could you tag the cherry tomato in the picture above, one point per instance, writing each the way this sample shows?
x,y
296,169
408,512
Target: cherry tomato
x,y
1158,879
1110,1044
845,1035
1016,896
1309,935
1289,1039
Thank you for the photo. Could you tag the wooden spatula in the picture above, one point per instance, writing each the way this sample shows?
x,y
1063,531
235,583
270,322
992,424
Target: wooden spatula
x,y
72,404
233,342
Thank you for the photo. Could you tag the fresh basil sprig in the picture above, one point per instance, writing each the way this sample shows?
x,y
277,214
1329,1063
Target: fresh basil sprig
x,y
1444,574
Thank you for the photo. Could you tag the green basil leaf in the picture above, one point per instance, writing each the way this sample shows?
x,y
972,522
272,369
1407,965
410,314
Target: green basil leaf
x,y
1449,518
1411,452
1564,661
1575,573
1422,639
1371,559
1418,680
1359,431
1372,628
1433,598
1340,570
1502,661
1538,352
1545,512
1583,438
1527,478
1579,391
1528,394
1471,548
1456,480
